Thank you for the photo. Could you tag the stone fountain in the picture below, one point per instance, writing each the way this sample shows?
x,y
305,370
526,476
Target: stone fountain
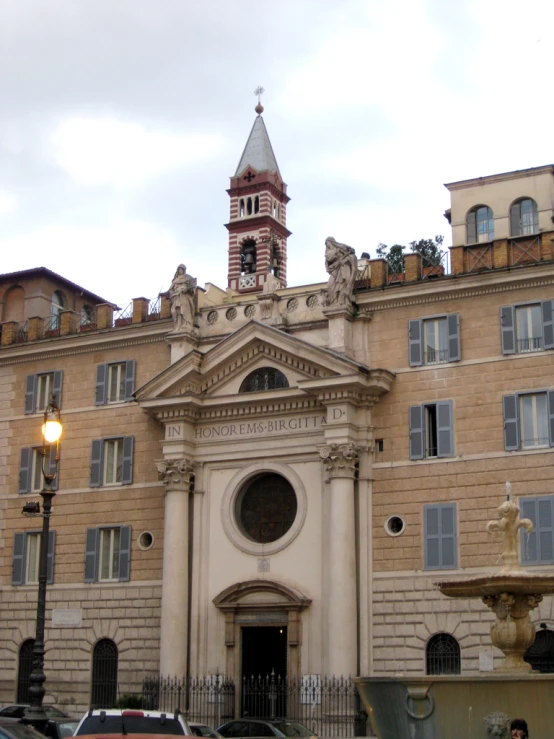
x,y
472,706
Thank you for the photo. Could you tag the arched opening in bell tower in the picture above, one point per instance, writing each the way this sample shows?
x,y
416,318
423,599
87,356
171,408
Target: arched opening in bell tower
x,y
248,254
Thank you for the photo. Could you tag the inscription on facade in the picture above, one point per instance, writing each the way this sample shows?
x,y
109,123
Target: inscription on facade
x,y
67,617
173,432
257,428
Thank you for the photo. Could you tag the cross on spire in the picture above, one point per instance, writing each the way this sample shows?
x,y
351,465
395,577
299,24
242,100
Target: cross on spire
x,y
259,91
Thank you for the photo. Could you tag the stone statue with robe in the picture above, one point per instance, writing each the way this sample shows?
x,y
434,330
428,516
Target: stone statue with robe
x,y
181,296
342,265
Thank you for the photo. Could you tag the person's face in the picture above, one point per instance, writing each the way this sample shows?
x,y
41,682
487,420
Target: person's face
x,y
518,734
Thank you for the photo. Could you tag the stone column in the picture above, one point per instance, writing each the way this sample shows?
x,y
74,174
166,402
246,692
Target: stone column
x,y
177,475
339,461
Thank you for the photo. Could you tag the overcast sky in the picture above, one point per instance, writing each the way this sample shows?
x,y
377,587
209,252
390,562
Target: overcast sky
x,y
122,121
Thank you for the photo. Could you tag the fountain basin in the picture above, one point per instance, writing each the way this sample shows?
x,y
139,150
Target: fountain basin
x,y
454,707
517,582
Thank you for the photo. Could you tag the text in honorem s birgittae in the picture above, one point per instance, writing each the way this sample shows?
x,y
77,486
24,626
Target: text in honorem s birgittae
x,y
257,428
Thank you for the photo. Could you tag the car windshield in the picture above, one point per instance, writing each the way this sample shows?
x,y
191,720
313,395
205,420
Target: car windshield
x,y
52,712
292,728
19,731
202,730
66,728
130,725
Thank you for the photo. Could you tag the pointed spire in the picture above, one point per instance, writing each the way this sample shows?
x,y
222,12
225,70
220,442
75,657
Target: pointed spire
x,y
258,152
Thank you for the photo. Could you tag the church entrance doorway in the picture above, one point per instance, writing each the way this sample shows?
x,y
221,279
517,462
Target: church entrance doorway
x,y
264,671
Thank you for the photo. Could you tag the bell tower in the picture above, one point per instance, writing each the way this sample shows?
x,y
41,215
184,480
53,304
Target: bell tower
x,y
257,225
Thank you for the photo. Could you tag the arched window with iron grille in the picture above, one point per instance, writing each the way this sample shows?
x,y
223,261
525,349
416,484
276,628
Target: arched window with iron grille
x,y
104,674
25,665
442,655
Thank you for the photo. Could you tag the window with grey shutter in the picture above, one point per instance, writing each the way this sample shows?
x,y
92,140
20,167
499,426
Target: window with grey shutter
x,y
417,433
440,536
129,379
96,463
50,557
18,559
127,473
538,546
471,224
445,430
125,553
515,219
415,343
101,384
511,423
91,555
454,350
54,468
25,469
507,326
30,393
57,382
550,395
547,310
20,555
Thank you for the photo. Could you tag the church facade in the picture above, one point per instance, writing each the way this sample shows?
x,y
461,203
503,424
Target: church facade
x,y
271,477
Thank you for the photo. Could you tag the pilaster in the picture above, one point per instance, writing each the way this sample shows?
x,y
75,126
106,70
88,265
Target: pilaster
x,y
341,607
340,329
178,476
182,343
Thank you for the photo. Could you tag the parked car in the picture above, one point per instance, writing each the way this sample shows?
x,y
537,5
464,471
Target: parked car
x,y
18,710
204,730
249,727
131,721
60,728
14,729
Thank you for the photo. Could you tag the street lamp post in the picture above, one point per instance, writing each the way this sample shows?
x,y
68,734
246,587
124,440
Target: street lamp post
x,y
51,432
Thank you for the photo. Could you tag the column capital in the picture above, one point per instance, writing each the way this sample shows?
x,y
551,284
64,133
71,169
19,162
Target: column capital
x,y
177,474
339,460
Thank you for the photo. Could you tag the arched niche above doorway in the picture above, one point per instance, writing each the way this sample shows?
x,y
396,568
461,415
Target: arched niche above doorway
x,y
256,603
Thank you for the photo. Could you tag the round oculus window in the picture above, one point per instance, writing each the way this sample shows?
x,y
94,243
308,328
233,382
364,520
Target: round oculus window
x,y
266,508
394,526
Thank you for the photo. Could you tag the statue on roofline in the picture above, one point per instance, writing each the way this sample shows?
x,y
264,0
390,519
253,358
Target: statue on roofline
x,y
342,265
181,296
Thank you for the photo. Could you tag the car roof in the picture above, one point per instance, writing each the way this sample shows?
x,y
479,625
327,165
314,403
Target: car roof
x,y
134,736
132,712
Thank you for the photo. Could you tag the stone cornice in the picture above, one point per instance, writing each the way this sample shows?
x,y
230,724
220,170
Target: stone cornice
x,y
340,460
355,387
196,412
453,288
176,474
69,346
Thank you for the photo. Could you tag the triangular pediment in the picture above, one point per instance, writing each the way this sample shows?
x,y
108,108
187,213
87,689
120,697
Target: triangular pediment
x,y
220,371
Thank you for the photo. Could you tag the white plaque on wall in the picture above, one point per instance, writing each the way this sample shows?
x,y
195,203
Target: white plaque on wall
x,y
67,617
486,661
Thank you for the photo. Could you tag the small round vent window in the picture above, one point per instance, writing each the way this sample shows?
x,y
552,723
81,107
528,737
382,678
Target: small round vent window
x,y
394,526
145,540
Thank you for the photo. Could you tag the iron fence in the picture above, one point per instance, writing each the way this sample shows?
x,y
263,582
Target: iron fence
x,y
123,316
209,699
154,308
328,706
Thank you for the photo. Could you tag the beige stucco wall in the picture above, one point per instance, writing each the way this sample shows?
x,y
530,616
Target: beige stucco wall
x,y
499,193
398,606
